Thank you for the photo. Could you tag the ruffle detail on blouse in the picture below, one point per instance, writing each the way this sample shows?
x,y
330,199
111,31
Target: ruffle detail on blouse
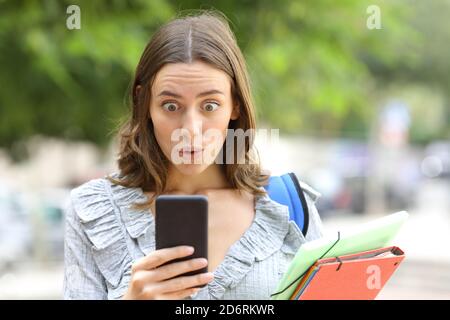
x,y
269,232
139,223
96,211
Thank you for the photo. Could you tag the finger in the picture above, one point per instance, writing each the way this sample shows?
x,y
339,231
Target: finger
x,y
177,268
159,257
185,282
168,271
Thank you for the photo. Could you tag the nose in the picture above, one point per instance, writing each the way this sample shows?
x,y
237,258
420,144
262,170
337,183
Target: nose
x,y
192,123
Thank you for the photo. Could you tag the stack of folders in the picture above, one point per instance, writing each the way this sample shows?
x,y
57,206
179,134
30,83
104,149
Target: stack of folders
x,y
353,264
358,276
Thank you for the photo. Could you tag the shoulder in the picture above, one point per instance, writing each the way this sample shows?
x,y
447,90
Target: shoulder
x,y
91,198
295,238
310,192
90,188
105,210
315,226
98,196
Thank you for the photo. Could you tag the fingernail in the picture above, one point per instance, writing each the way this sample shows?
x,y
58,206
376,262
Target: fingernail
x,y
190,249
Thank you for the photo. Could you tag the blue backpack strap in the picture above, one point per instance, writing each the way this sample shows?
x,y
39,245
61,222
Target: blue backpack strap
x,y
286,190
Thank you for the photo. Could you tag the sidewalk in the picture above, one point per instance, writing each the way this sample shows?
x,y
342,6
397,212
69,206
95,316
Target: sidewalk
x,y
30,282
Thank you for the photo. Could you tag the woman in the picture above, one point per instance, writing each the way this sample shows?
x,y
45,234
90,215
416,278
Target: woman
x,y
191,79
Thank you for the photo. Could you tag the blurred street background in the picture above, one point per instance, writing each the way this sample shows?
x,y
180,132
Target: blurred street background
x,y
362,107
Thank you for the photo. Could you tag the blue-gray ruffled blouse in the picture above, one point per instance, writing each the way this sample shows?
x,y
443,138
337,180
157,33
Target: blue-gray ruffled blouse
x,y
104,236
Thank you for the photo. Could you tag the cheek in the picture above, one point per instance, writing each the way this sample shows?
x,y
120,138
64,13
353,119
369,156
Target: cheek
x,y
163,131
215,132
218,122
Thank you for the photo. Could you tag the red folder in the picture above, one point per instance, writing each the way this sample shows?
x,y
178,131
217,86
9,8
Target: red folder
x,y
359,276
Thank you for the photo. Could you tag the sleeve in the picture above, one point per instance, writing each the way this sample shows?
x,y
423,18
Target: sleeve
x,y
82,279
315,227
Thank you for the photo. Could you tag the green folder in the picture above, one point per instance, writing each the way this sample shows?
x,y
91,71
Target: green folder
x,y
368,236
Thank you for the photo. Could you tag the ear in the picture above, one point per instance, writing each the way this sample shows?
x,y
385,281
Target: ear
x,y
236,112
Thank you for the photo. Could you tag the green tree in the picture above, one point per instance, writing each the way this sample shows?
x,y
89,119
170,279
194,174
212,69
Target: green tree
x,y
315,65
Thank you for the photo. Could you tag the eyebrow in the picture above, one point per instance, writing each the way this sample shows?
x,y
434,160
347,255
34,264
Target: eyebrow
x,y
175,95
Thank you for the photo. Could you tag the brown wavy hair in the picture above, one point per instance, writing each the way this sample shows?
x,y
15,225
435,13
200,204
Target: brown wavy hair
x,y
204,36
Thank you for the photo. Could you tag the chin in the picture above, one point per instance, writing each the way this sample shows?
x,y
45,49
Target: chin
x,y
191,169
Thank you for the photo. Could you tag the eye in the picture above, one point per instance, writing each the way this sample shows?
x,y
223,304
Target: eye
x,y
170,106
210,106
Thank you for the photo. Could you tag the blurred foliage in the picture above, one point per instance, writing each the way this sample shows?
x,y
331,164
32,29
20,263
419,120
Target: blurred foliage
x,y
315,66
69,83
427,78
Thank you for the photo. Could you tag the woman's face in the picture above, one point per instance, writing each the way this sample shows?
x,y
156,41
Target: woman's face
x,y
190,108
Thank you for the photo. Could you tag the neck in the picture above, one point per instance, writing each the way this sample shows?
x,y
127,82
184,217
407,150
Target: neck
x,y
212,178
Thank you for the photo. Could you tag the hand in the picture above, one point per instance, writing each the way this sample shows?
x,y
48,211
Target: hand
x,y
150,279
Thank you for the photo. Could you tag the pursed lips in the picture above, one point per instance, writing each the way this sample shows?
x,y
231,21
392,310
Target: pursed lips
x,y
190,151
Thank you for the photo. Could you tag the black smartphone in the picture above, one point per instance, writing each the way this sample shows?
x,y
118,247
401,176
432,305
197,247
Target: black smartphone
x,y
183,220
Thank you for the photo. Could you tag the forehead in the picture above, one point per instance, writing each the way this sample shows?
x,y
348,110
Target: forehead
x,y
191,76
